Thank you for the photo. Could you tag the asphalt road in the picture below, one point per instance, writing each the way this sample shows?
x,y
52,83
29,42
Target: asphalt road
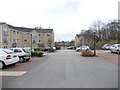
x,y
67,69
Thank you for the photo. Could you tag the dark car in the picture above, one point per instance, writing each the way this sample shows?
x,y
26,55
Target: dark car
x,y
48,48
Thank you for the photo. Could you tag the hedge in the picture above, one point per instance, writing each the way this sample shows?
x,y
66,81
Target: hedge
x,y
36,53
87,53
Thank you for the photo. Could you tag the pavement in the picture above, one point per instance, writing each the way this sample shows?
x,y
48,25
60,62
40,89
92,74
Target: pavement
x,y
109,57
14,71
68,69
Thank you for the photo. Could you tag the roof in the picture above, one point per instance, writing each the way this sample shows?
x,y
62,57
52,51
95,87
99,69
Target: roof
x,y
78,35
24,29
1,23
44,30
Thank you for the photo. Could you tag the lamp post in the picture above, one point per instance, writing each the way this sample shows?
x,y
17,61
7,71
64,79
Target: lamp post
x,y
94,45
31,41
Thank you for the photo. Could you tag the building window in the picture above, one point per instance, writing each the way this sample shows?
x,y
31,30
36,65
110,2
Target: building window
x,y
17,32
5,31
14,39
25,40
5,41
17,40
39,34
13,32
5,46
34,41
34,35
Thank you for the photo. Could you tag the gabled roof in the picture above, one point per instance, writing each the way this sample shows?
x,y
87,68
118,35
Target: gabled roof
x,y
24,29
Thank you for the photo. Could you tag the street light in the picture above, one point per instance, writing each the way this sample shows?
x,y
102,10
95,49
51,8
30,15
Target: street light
x,y
94,45
31,41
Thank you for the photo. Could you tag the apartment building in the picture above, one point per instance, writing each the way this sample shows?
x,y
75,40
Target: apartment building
x,y
81,40
11,36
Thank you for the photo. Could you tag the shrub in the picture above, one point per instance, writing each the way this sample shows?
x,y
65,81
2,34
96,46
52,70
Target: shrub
x,y
51,50
87,53
78,50
36,53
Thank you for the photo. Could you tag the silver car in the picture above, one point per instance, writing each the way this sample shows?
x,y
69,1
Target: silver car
x,y
83,48
23,53
115,48
106,46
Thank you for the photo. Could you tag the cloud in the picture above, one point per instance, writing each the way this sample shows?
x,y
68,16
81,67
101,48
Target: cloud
x,y
66,17
63,10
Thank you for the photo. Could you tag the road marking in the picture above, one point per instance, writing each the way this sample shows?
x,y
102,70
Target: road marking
x,y
12,73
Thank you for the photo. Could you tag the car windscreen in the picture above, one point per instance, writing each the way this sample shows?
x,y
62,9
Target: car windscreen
x,y
84,46
27,50
7,51
118,45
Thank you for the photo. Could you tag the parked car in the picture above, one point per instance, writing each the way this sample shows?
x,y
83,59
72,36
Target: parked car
x,y
83,48
115,48
111,46
7,57
71,47
46,49
106,46
49,48
23,53
54,48
58,47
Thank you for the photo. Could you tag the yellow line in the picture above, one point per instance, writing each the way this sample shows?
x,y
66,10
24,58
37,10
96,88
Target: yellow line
x,y
12,73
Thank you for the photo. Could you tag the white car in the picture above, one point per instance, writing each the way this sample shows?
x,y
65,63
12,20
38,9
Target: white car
x,y
23,53
115,48
7,57
83,48
106,46
54,48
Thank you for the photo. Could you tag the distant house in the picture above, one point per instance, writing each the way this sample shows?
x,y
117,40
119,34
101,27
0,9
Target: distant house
x,y
11,36
81,40
65,43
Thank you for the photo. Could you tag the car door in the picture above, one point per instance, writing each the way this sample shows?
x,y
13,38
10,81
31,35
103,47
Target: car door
x,y
114,48
18,51
2,55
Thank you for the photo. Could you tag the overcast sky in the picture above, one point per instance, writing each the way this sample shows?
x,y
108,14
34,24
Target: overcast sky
x,y
66,17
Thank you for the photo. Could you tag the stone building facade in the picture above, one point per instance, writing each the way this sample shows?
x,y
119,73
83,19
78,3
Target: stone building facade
x,y
81,40
11,36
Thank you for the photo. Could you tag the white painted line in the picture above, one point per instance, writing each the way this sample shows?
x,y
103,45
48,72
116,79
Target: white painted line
x,y
12,73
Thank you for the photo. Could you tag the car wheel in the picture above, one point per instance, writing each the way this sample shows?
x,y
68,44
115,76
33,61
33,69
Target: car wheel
x,y
111,51
21,59
118,52
28,59
14,64
2,65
